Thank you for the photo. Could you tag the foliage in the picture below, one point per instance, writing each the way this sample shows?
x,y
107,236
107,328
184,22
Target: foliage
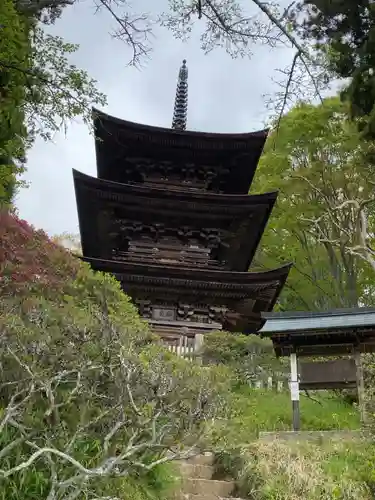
x,y
32,264
273,470
345,31
29,260
41,92
256,410
316,160
57,91
69,241
250,357
14,48
335,469
87,404
368,366
46,11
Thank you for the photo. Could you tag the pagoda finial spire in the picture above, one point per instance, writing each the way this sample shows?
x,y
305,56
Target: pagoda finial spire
x,y
181,100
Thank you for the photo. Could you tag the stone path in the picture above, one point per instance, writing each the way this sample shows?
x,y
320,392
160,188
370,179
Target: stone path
x,y
197,482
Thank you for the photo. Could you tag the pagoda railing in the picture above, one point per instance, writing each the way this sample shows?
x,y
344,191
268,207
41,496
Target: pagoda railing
x,y
186,347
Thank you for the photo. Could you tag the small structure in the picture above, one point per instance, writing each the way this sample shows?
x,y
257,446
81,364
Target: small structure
x,y
323,334
326,333
170,216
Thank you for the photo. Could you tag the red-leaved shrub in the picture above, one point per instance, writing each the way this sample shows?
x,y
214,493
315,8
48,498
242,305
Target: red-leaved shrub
x,y
29,259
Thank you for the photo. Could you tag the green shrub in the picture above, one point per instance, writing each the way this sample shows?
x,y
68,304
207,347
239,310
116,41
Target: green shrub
x,y
249,357
87,405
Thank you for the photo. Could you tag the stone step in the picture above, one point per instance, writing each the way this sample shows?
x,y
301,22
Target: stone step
x,y
204,487
196,471
202,459
204,497
199,497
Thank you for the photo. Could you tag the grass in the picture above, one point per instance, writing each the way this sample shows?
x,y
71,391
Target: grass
x,y
159,484
293,471
258,410
277,470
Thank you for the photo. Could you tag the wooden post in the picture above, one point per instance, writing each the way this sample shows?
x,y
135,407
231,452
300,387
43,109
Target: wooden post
x,y
180,345
294,391
198,345
360,386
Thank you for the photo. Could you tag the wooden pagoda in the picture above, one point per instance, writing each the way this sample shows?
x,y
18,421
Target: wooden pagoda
x,y
170,216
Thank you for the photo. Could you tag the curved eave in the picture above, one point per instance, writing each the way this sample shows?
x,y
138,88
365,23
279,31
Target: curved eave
x,y
164,194
317,333
118,139
209,140
251,213
212,277
209,281
318,343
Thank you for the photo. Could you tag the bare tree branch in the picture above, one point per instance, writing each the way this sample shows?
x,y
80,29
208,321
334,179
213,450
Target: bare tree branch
x,y
134,30
352,236
140,410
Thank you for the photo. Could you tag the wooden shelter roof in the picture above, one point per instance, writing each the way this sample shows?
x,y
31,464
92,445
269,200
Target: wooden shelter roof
x,y
119,142
242,218
339,331
246,294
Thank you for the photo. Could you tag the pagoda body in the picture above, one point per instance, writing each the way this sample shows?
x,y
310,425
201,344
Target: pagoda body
x,y
170,216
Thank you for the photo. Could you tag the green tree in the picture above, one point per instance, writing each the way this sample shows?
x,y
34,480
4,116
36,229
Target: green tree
x,y
315,157
250,357
345,31
14,48
57,91
41,92
69,241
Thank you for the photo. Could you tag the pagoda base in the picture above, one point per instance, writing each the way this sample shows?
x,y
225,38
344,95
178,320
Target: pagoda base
x,y
183,340
174,330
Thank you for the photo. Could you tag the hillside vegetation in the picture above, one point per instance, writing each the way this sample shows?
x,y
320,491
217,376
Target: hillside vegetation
x,y
256,410
334,469
91,406
88,406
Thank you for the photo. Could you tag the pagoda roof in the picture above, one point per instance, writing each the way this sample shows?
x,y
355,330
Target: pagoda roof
x,y
118,140
251,292
325,333
243,217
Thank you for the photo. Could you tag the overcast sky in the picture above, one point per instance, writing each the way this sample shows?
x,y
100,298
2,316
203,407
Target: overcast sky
x,y
225,95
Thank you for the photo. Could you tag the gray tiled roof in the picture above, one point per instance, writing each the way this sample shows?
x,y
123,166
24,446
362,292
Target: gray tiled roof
x,y
299,321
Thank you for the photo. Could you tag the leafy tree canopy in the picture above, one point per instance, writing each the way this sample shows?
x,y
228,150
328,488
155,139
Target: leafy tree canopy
x,y
315,158
14,48
345,30
41,91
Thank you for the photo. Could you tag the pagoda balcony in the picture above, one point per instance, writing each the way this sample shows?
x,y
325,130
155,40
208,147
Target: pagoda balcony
x,y
129,152
117,219
148,253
